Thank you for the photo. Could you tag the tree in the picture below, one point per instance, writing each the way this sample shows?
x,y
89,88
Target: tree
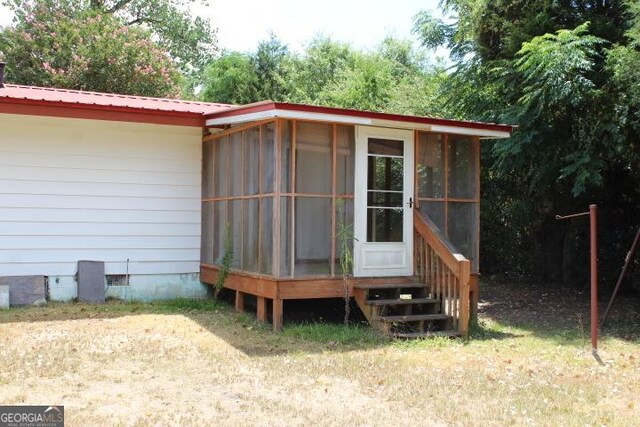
x,y
322,65
85,51
231,79
270,63
243,78
565,73
189,40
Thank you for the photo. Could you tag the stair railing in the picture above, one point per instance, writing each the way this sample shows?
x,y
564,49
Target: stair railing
x,y
445,272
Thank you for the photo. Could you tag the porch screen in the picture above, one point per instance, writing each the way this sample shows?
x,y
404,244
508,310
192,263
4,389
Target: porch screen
x,y
237,198
318,161
447,168
291,181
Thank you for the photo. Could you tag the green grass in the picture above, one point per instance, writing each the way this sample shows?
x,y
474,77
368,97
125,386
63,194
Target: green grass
x,y
328,333
512,371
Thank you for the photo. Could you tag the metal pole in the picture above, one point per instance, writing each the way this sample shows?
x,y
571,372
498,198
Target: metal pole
x,y
593,210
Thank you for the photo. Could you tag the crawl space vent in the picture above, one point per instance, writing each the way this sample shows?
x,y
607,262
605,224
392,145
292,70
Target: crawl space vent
x,y
116,279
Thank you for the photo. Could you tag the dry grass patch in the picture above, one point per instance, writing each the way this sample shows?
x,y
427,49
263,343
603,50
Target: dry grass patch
x,y
187,363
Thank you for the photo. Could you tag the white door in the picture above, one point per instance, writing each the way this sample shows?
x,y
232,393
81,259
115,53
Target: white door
x,y
383,227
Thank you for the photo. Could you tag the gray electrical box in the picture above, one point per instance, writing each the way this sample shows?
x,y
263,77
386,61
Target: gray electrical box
x,y
25,290
91,282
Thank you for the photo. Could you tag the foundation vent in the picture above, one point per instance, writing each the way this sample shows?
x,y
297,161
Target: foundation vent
x,y
117,280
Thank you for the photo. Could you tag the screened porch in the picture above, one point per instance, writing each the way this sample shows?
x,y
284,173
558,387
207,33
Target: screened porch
x,y
278,192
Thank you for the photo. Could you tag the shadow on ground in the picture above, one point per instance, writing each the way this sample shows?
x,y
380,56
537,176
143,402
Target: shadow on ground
x,y
309,327
559,314
507,310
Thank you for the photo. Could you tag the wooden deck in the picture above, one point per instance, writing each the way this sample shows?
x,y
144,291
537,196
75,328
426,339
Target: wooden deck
x,y
271,291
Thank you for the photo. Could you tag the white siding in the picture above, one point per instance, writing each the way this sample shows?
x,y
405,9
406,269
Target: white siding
x,y
73,189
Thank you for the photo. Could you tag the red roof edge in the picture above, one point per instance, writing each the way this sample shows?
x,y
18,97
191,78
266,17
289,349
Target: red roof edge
x,y
99,112
271,105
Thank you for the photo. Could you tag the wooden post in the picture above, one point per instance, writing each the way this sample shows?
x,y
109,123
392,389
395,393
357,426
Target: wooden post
x,y
262,309
239,301
465,270
277,314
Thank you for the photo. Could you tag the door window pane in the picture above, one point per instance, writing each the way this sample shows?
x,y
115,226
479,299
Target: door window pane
x,y
386,147
386,173
385,199
384,225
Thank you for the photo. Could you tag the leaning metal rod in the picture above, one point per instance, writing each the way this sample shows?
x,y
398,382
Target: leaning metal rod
x,y
593,227
627,262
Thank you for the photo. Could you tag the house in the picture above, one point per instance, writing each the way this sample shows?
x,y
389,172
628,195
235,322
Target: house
x,y
158,188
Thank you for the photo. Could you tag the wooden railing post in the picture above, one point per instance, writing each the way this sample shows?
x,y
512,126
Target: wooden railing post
x,y
445,273
465,276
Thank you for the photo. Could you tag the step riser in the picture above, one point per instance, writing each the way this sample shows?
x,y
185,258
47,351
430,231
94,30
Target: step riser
x,y
385,311
419,326
406,310
376,294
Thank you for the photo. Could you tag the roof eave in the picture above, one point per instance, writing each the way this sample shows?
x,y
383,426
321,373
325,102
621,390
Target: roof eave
x,y
269,109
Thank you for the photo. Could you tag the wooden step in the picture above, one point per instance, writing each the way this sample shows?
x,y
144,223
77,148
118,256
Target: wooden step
x,y
390,285
414,317
401,301
429,334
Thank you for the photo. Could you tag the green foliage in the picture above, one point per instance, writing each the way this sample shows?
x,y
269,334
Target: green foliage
x,y
246,78
271,70
557,73
395,78
225,261
567,74
321,67
556,70
86,51
189,40
232,79
344,236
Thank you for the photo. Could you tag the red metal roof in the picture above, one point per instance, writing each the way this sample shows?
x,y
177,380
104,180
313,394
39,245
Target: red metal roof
x,y
67,96
32,100
270,105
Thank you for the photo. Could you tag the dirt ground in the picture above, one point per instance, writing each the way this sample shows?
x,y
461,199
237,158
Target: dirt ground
x,y
201,364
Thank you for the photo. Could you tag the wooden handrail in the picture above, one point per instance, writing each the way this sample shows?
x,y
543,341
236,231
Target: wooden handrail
x,y
453,260
445,272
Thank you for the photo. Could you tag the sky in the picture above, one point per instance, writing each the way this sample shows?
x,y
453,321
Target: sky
x,y
362,23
